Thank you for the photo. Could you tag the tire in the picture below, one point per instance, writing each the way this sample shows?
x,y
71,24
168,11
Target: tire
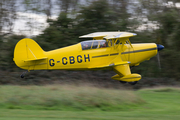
x,y
123,82
133,83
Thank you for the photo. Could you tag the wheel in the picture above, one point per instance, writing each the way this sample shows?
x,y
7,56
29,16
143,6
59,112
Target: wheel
x,y
133,83
123,82
22,76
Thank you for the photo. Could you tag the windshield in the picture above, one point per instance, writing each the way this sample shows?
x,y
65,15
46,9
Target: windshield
x,y
94,44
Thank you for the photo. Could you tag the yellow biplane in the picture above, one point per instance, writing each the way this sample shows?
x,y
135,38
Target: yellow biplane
x,y
111,50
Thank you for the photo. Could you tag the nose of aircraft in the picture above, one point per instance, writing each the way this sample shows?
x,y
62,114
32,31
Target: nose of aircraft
x,y
160,47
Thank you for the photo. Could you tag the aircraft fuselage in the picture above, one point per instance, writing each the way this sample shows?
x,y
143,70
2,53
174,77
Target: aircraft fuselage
x,y
73,57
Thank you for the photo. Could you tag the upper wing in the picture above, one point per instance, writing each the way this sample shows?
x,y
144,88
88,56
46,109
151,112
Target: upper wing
x,y
120,35
98,34
108,35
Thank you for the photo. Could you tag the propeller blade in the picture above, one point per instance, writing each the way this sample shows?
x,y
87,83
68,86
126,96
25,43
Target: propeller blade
x,y
159,62
159,47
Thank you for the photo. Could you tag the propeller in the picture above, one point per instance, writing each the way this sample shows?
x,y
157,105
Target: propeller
x,y
159,47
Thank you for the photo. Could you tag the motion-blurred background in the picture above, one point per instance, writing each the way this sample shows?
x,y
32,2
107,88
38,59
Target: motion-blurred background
x,y
58,23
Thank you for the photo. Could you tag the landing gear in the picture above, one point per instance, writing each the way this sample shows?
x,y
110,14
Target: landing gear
x,y
123,82
133,83
23,74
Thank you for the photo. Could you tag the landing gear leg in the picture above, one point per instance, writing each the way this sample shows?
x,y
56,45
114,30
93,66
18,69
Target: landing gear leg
x,y
23,74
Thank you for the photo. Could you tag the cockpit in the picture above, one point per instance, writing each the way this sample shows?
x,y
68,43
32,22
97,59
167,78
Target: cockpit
x,y
94,44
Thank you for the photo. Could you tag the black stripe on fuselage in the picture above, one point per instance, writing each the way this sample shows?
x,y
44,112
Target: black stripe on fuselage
x,y
124,52
139,50
100,56
114,54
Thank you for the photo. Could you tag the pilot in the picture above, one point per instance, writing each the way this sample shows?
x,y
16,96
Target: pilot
x,y
85,46
103,44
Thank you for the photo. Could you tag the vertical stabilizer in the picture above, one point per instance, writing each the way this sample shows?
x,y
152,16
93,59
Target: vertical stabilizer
x,y
29,55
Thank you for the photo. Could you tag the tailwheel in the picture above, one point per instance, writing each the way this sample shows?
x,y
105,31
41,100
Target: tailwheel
x,y
133,83
22,75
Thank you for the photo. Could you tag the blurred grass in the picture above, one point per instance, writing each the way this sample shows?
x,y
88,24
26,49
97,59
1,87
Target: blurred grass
x,y
161,103
67,97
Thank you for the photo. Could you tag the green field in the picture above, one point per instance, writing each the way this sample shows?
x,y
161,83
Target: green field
x,y
88,103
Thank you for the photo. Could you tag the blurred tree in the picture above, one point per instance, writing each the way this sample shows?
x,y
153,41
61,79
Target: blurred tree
x,y
48,8
32,8
96,17
167,16
121,15
67,6
7,16
58,34
7,20
168,31
7,51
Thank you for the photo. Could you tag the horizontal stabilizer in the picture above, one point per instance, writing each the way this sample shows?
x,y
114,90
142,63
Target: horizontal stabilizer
x,y
29,60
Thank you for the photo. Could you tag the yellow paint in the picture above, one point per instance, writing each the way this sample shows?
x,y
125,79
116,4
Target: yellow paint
x,y
29,55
